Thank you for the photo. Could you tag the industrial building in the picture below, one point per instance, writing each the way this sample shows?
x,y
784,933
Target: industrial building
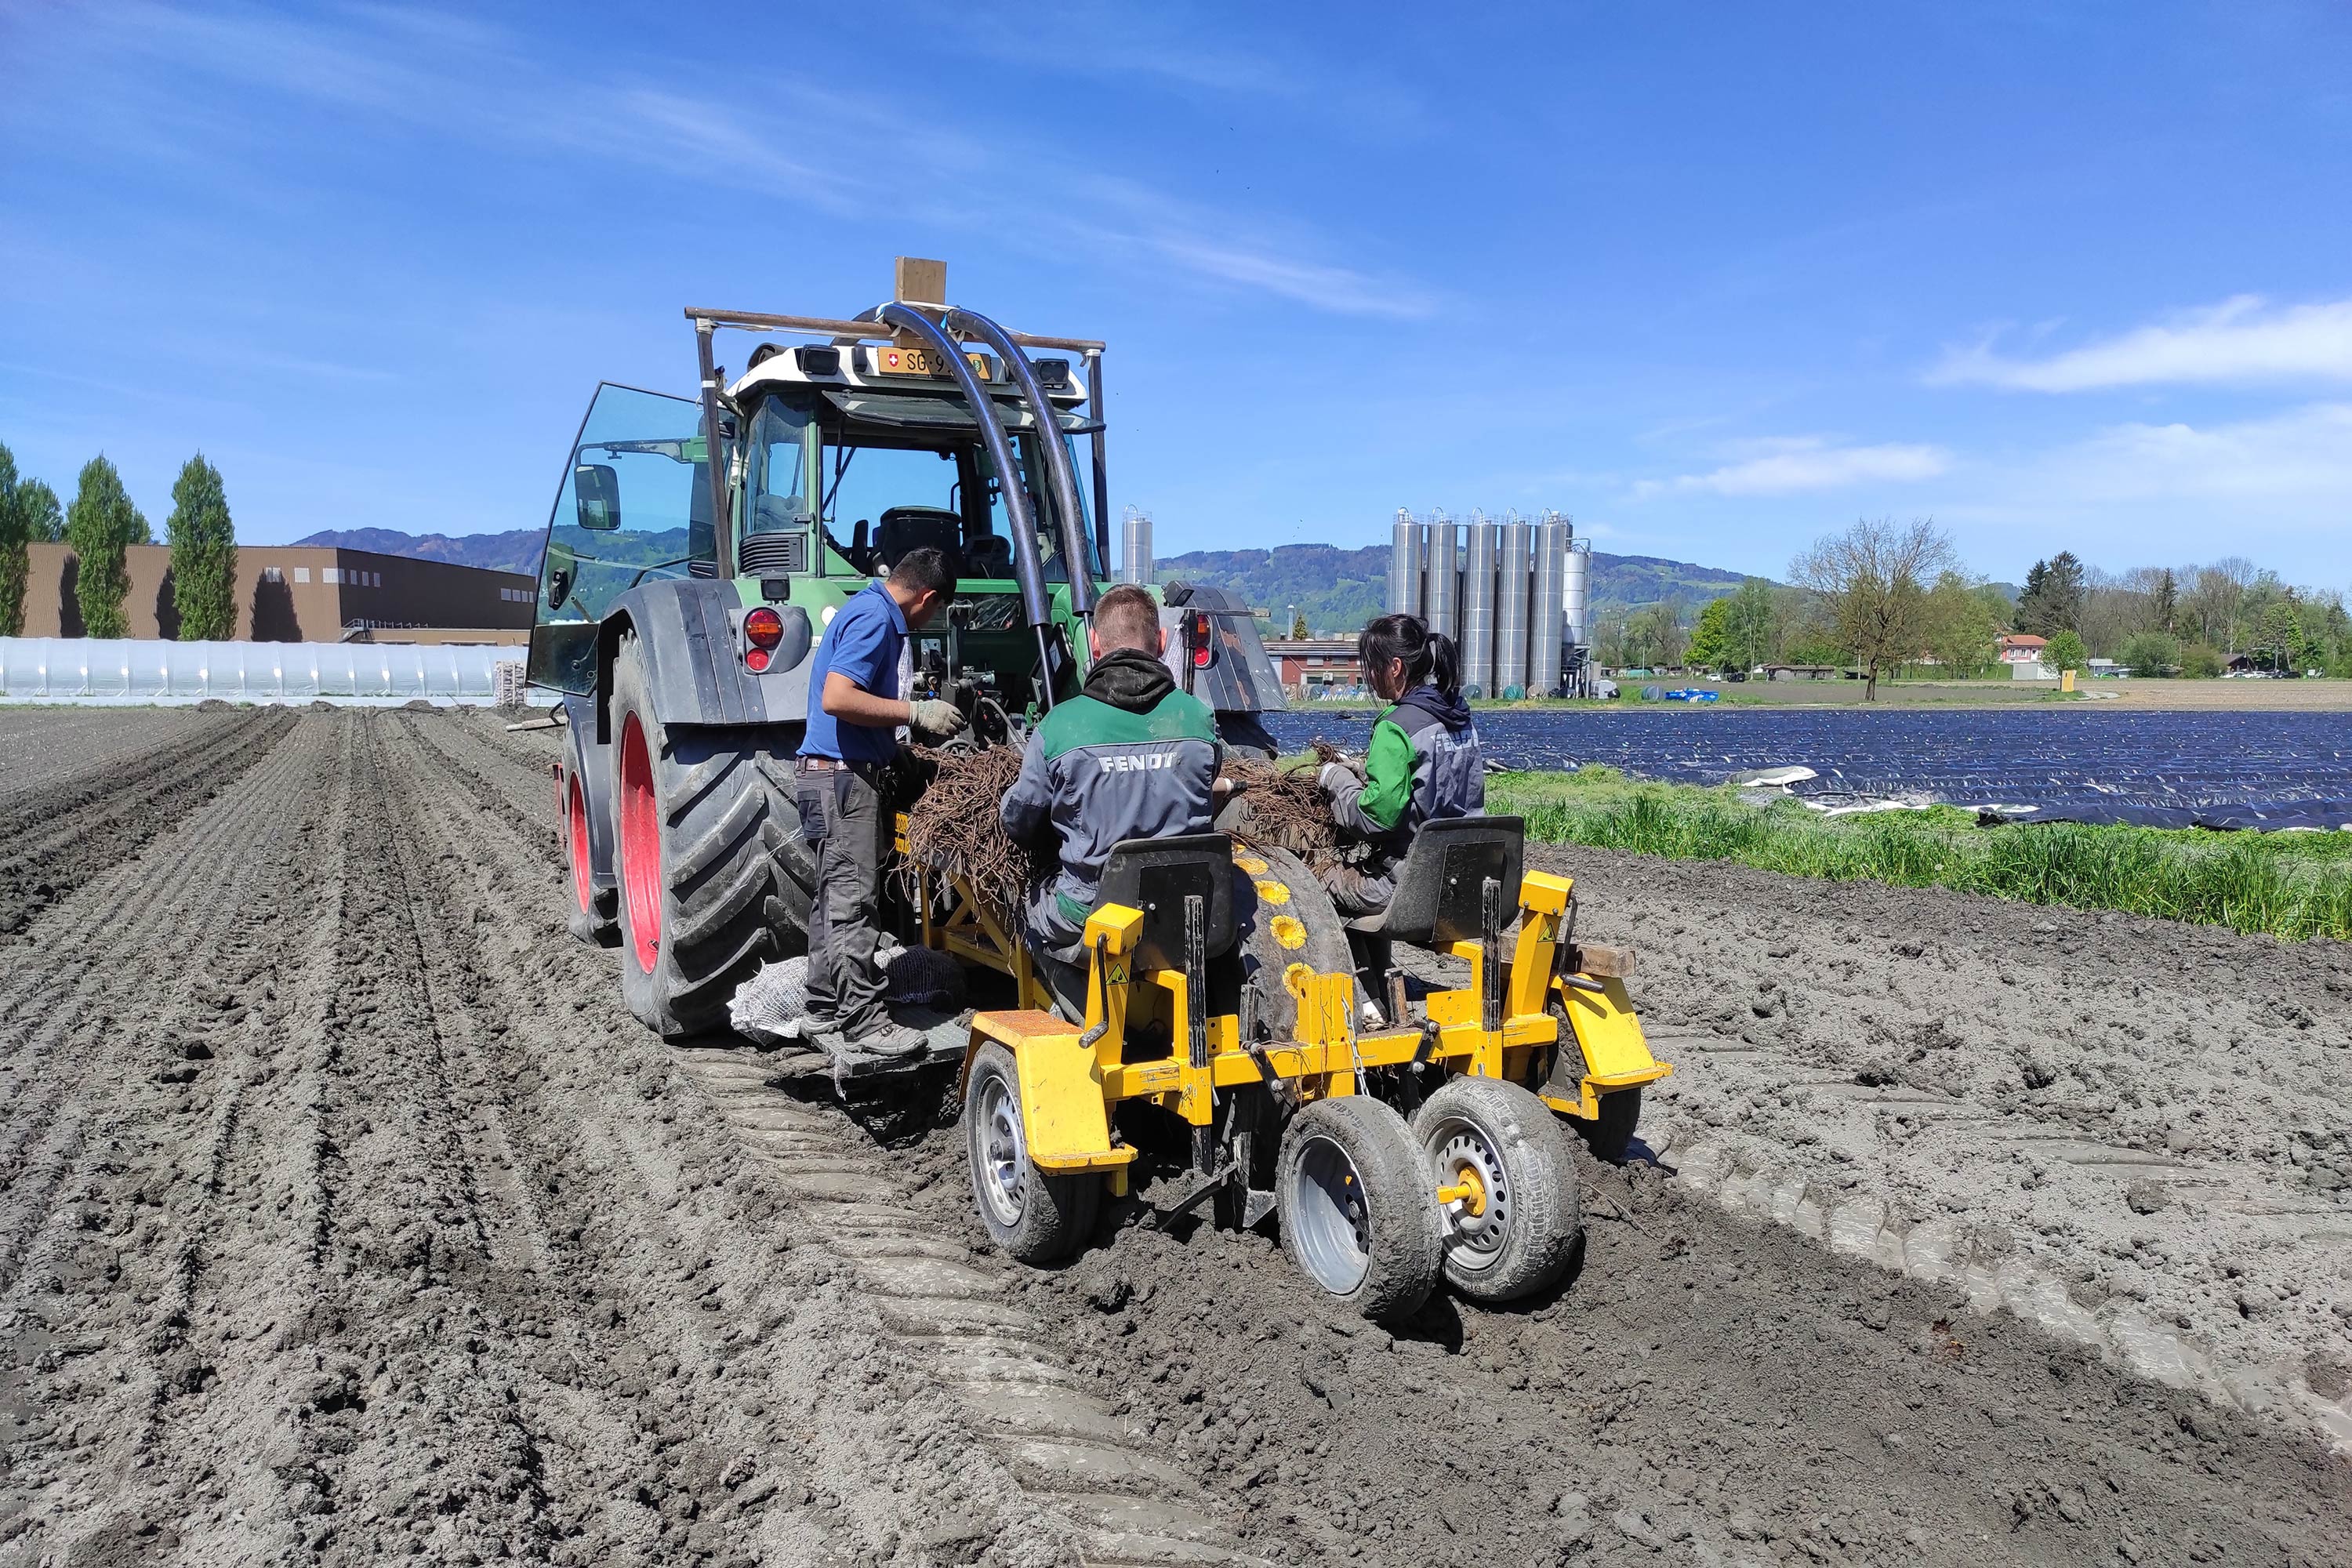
x,y
300,593
1513,594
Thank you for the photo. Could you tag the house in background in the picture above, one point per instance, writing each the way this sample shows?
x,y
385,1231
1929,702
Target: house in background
x,y
1309,666
2019,647
300,593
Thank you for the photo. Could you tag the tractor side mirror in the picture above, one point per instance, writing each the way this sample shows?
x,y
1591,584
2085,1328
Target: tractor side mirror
x,y
597,489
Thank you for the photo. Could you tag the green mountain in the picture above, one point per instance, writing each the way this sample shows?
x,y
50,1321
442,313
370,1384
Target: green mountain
x,y
1339,590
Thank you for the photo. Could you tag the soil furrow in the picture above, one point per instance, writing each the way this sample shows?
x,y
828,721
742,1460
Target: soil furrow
x,y
899,1296
102,1346
350,1217
72,829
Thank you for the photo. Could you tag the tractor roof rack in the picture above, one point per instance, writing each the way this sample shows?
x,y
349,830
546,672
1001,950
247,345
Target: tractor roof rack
x,y
857,332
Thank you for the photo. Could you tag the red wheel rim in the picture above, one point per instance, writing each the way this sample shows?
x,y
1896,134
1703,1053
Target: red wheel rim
x,y
576,830
641,867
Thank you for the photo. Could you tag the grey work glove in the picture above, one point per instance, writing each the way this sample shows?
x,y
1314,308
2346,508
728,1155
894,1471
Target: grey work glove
x,y
931,716
1337,777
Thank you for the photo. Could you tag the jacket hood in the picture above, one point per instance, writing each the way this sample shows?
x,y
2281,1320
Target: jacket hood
x,y
1453,712
1129,678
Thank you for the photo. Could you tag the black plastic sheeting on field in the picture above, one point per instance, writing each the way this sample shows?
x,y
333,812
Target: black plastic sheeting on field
x,y
2219,769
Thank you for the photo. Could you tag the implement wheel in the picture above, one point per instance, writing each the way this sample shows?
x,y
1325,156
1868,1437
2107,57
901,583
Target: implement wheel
x,y
1358,1215
1609,1134
1036,1215
694,811
1505,1183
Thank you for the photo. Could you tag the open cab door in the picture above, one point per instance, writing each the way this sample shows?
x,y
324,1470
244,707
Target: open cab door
x,y
635,506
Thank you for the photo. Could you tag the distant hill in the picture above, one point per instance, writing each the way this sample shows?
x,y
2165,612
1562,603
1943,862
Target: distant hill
x,y
1339,590
512,552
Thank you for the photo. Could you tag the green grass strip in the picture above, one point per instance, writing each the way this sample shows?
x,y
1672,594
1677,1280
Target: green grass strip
x,y
2295,886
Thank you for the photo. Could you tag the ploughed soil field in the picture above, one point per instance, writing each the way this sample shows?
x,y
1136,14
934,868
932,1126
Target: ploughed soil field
x,y
346,1216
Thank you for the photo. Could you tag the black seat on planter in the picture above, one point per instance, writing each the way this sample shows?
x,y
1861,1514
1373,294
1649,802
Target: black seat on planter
x,y
1439,885
1156,875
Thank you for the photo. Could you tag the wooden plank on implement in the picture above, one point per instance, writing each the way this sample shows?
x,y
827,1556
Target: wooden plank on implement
x,y
1602,962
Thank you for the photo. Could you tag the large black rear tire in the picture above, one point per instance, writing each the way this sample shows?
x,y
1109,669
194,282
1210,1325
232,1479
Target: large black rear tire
x,y
698,820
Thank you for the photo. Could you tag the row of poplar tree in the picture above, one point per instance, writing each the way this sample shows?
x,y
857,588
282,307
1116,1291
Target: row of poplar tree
x,y
100,525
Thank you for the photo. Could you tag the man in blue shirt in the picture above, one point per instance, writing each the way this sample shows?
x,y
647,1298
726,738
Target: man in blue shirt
x,y
852,736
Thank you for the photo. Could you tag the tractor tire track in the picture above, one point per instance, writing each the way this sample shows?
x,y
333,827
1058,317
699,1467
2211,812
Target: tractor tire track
x,y
1058,1460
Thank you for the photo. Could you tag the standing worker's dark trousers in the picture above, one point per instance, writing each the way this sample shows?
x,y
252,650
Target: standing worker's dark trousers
x,y
841,814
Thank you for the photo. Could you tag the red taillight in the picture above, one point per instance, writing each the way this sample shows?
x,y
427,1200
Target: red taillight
x,y
764,629
1203,641
755,659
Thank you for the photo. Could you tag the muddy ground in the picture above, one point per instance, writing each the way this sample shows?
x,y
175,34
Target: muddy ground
x,y
345,1216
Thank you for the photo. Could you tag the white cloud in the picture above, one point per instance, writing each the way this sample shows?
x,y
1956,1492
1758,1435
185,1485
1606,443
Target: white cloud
x,y
2296,463
2239,340
852,155
1794,464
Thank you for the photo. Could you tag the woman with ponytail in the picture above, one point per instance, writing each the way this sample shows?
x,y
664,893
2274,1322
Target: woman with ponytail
x,y
1423,764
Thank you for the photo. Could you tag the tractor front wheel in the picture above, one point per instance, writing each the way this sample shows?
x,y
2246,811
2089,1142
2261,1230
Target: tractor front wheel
x,y
693,854
1505,1183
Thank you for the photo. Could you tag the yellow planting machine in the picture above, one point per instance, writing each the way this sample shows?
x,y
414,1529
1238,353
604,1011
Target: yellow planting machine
x,y
1395,1140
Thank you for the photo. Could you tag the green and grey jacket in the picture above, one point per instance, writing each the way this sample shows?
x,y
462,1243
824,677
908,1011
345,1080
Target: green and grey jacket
x,y
1132,757
1422,765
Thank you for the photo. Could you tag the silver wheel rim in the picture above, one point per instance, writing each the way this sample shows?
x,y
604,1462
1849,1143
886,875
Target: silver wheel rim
x,y
1473,1241
1001,1167
1330,1217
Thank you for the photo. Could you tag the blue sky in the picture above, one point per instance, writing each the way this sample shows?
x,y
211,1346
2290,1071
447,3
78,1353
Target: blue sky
x,y
1710,278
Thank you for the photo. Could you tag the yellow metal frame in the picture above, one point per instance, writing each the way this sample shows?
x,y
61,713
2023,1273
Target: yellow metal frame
x,y
969,931
1072,1076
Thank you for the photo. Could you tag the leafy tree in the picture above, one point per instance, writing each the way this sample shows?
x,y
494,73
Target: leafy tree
x,y
2052,600
2278,634
1872,581
44,518
1960,623
15,564
1751,624
204,554
2151,654
100,525
2065,651
1298,625
1710,639
2164,602
2199,662
1655,635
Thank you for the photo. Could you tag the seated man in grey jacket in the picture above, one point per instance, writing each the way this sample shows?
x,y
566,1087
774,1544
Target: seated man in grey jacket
x,y
1130,757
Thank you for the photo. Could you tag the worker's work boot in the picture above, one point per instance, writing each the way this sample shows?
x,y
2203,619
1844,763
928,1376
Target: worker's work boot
x,y
890,1042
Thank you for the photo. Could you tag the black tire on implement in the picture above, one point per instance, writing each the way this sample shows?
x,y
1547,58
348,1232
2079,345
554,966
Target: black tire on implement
x,y
1610,1133
1359,1212
698,818
1037,1216
1517,1235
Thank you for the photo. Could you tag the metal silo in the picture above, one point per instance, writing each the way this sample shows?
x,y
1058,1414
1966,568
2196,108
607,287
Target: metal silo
x,y
1440,586
1477,637
1404,565
1135,546
1576,593
1551,538
1512,569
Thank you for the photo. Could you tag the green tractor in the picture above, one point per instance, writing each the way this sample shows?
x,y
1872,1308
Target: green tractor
x,y
699,547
